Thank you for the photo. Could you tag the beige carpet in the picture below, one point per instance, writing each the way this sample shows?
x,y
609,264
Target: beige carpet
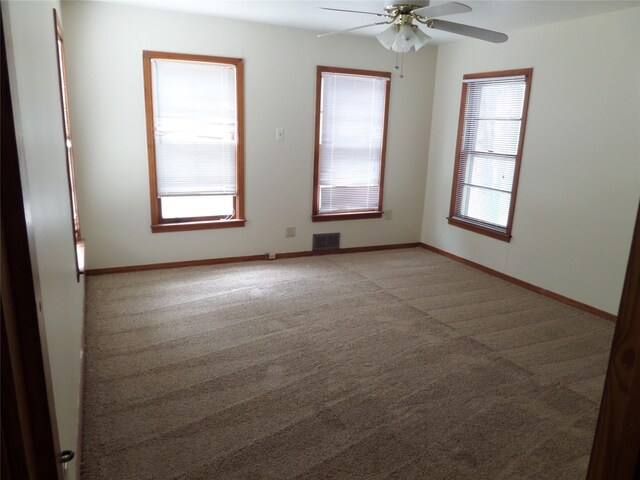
x,y
397,364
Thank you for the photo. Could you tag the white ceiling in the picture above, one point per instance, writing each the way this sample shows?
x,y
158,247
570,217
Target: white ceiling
x,y
501,15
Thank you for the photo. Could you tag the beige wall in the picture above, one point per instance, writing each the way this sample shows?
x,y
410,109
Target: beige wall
x,y
580,177
36,103
105,44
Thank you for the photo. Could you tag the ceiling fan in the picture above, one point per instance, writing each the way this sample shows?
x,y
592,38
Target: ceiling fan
x,y
403,35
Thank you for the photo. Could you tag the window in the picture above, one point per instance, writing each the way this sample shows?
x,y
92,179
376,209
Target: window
x,y
493,114
68,144
195,141
351,129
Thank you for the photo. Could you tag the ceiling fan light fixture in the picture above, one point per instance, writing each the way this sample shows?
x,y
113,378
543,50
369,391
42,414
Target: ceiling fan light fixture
x,y
388,36
421,38
405,39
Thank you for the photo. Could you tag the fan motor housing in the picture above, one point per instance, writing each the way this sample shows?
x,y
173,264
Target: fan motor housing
x,y
408,6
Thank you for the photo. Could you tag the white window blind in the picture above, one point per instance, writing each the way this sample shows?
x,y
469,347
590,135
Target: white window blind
x,y
195,127
489,147
351,141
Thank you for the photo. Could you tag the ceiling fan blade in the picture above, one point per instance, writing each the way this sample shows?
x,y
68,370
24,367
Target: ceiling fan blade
x,y
353,28
468,31
356,11
433,11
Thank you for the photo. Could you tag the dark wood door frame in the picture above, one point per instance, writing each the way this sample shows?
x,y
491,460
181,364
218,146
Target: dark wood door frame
x,y
616,447
30,447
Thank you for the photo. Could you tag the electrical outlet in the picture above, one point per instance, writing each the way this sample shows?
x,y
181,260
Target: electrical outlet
x,y
280,134
291,232
271,256
387,214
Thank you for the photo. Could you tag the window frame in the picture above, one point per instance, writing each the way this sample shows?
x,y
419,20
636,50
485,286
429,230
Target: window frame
x,y
78,242
356,215
467,223
159,224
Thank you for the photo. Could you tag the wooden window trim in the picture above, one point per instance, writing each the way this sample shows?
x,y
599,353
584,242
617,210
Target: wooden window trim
x,y
358,215
469,224
158,224
478,227
78,242
197,225
329,217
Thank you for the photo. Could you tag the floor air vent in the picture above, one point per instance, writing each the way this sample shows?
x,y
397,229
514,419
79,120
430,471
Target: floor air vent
x,y
326,241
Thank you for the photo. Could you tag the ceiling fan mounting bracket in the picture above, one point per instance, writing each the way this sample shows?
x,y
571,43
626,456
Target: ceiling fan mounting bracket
x,y
402,9
404,18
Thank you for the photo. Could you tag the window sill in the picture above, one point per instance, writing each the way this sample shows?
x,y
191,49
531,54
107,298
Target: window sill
x,y
186,226
480,228
329,217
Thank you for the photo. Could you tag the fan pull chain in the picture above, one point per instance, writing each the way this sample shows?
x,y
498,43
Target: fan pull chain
x,y
401,66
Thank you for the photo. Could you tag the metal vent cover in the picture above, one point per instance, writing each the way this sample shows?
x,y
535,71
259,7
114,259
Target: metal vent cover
x,y
326,241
